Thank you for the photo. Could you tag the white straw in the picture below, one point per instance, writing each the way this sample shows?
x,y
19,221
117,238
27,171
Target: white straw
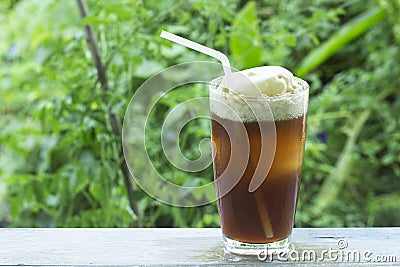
x,y
200,48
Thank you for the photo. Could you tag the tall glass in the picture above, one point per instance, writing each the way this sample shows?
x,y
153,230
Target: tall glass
x,y
258,148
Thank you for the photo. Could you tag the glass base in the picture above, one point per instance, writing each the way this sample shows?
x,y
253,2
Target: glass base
x,y
252,249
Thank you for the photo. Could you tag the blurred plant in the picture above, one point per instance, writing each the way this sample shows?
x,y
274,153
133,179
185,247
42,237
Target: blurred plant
x,y
60,162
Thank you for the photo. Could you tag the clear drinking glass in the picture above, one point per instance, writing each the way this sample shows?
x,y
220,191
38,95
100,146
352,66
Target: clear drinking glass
x,y
258,148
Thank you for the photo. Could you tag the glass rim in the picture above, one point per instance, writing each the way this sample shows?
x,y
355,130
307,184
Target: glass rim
x,y
214,84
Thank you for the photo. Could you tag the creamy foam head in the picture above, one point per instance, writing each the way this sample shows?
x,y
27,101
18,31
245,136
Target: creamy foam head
x,y
263,93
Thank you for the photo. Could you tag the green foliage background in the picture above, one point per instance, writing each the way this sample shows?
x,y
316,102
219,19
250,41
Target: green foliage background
x,y
59,157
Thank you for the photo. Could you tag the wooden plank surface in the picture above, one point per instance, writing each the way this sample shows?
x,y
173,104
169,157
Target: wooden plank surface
x,y
194,247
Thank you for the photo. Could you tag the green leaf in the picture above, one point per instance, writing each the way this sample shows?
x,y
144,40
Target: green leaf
x,y
343,36
15,208
39,190
245,41
96,190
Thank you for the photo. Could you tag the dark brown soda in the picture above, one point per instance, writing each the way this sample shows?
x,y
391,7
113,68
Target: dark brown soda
x,y
246,215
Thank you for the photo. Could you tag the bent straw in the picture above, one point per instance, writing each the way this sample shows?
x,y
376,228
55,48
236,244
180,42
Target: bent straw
x,y
200,48
262,209
259,198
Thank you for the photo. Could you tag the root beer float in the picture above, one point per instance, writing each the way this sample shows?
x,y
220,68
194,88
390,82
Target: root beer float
x,y
258,121
271,104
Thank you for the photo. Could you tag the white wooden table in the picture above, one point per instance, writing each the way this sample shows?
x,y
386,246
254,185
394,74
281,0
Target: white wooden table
x,y
193,247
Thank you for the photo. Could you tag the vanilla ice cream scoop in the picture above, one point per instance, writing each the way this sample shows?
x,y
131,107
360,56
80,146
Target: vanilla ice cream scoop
x,y
266,80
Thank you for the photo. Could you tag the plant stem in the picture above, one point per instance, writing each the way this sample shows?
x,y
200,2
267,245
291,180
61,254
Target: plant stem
x,y
115,120
334,182
92,43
